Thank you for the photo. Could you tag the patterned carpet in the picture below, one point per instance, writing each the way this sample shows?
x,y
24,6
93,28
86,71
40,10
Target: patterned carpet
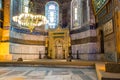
x,y
44,73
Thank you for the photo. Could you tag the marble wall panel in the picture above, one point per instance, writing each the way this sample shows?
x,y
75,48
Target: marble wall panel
x,y
25,57
109,44
27,52
31,49
23,36
85,48
87,51
88,56
88,33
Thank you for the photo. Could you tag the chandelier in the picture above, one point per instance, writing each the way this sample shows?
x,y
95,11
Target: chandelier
x,y
30,21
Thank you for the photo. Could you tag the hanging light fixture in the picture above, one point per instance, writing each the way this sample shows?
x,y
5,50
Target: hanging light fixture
x,y
29,20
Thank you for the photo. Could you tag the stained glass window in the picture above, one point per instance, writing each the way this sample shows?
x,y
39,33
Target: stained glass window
x,y
76,15
1,15
79,13
0,4
26,6
52,14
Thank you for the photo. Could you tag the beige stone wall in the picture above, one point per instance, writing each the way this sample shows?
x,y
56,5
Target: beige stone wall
x,y
109,32
4,33
6,22
6,13
117,28
109,44
4,51
26,52
0,34
109,41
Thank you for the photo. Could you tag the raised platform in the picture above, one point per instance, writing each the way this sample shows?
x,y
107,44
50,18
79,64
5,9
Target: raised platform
x,y
49,62
99,66
103,75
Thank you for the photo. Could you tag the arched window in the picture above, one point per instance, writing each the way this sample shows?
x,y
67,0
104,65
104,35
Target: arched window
x,y
25,6
52,14
79,13
0,4
76,16
1,14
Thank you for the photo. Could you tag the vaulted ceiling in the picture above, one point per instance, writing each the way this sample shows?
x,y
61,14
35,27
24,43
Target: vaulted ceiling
x,y
40,4
64,9
44,1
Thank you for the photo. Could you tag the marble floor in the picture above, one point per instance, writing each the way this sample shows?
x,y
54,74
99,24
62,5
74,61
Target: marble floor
x,y
46,73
